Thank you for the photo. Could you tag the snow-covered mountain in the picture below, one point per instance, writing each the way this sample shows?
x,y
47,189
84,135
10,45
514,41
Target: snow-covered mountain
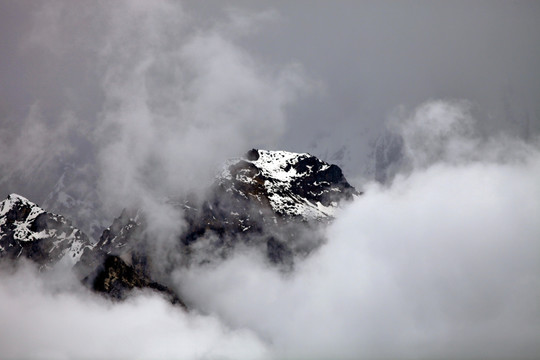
x,y
291,184
271,200
28,231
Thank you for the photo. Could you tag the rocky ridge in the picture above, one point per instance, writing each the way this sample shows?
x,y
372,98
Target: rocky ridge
x,y
272,200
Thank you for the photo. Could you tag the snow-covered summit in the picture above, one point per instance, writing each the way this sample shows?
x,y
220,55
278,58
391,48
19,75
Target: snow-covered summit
x,y
29,210
293,184
275,164
280,165
26,230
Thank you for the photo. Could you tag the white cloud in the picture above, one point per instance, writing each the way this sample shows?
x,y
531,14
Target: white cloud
x,y
39,322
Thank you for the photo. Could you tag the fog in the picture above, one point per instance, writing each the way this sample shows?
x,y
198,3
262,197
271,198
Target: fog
x,y
40,321
143,101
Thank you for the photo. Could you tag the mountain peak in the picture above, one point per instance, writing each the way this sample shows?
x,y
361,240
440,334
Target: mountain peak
x,y
16,209
293,184
17,197
13,199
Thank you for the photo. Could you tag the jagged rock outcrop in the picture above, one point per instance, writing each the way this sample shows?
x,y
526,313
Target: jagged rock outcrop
x,y
116,279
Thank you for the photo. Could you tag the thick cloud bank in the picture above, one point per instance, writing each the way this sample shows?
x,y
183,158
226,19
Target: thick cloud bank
x,y
42,321
442,264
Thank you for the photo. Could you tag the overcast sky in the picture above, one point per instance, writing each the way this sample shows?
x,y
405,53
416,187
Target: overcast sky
x,y
362,62
371,57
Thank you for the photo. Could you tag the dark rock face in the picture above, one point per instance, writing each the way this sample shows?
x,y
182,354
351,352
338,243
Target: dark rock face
x,y
326,185
124,229
116,279
252,155
278,253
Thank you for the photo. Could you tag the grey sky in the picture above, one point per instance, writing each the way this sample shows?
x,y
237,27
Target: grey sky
x,y
373,56
363,60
